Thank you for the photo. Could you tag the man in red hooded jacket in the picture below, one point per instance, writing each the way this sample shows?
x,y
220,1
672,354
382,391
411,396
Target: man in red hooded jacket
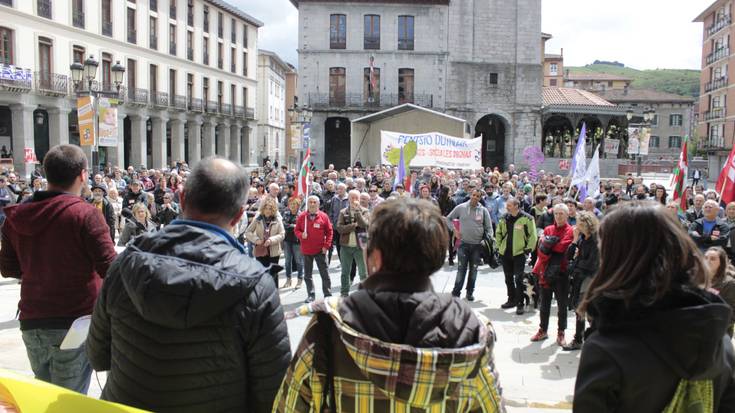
x,y
59,246
552,261
314,229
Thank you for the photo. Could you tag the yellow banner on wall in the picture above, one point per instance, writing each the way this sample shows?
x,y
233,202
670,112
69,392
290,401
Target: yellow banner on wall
x,y
85,117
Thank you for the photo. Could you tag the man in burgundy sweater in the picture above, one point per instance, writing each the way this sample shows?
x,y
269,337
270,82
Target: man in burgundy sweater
x,y
59,246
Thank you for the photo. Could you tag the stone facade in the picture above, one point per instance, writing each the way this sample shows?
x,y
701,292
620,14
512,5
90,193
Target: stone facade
x,y
471,58
272,106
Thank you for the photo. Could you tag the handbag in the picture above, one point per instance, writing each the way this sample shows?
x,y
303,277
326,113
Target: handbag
x,y
261,250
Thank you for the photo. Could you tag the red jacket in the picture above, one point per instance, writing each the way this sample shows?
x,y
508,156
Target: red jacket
x,y
318,230
566,236
60,246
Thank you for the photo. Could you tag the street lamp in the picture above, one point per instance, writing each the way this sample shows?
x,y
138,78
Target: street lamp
x,y
88,72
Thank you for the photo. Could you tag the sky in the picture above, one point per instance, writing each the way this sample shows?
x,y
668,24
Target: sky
x,y
642,34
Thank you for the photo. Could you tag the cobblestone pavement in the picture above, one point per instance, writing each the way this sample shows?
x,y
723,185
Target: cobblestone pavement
x,y
536,377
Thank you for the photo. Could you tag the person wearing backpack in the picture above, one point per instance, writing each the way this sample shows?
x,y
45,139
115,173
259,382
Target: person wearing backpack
x,y
516,237
659,343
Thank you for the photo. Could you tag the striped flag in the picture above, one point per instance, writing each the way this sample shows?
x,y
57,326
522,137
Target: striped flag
x,y
302,186
680,177
726,182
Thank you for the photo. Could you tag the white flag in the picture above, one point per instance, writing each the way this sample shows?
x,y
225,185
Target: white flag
x,y
592,177
579,160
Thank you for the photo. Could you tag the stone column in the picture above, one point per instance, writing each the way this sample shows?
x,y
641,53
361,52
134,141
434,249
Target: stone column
x,y
58,125
117,153
177,139
208,138
158,141
138,150
23,137
223,140
248,159
195,140
235,142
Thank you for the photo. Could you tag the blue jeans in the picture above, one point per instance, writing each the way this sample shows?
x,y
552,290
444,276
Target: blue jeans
x,y
291,252
66,368
468,255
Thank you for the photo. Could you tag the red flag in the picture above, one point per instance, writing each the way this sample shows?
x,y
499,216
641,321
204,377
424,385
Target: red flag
x,y
680,177
726,181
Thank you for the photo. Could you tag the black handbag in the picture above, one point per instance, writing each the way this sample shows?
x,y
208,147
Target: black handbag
x,y
553,270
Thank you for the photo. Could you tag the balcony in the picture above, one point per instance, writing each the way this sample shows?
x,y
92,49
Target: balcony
x,y
172,11
372,42
190,53
718,25
15,79
715,84
227,109
212,106
718,54
358,101
44,8
154,5
715,113
179,102
107,29
405,44
152,41
132,36
714,143
159,99
239,111
108,89
195,105
249,113
78,19
172,49
137,97
51,84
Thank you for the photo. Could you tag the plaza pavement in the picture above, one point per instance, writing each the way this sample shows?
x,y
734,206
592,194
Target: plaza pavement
x,y
536,377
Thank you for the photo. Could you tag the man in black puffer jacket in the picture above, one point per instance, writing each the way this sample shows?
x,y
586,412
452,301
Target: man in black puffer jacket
x,y
185,320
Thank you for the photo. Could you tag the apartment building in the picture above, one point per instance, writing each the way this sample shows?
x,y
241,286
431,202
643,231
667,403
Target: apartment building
x,y
272,106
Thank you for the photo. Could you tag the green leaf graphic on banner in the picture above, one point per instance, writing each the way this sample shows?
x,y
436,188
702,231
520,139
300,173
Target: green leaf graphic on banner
x,y
409,152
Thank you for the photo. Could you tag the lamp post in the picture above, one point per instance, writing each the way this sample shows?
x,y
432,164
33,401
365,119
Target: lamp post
x,y
648,115
87,72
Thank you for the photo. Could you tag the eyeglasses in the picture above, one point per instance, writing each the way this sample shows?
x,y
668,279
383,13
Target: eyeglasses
x,y
373,190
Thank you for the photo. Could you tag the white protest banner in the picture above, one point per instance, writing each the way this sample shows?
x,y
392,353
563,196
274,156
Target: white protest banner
x,y
612,146
107,126
431,149
645,138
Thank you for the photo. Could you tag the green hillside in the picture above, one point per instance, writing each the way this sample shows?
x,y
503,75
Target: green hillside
x,y
680,81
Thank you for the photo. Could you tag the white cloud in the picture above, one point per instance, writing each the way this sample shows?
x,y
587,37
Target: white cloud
x,y
643,34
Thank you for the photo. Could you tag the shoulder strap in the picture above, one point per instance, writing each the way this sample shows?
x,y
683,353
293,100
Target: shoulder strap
x,y
324,321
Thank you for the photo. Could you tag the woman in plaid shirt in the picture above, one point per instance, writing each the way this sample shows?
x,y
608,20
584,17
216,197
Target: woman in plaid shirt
x,y
395,345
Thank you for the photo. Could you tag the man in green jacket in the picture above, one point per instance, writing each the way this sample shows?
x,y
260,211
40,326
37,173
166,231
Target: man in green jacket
x,y
516,237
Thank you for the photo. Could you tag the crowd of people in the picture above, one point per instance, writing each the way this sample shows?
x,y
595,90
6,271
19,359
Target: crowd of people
x,y
189,318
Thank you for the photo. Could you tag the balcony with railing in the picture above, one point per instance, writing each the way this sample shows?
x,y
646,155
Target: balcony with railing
x,y
405,44
714,143
227,109
51,84
137,96
172,49
195,105
159,99
718,54
44,8
719,25
78,19
15,79
107,28
239,111
249,113
715,113
359,101
715,84
179,102
108,89
132,36
372,42
153,41
212,106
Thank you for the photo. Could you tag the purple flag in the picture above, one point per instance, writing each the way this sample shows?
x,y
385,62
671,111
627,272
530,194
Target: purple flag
x,y
401,175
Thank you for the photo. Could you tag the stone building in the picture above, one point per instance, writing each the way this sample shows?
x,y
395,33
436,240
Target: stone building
x,y
478,60
271,138
596,82
189,85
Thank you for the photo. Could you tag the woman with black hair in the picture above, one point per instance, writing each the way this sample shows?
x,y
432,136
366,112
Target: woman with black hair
x,y
657,337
